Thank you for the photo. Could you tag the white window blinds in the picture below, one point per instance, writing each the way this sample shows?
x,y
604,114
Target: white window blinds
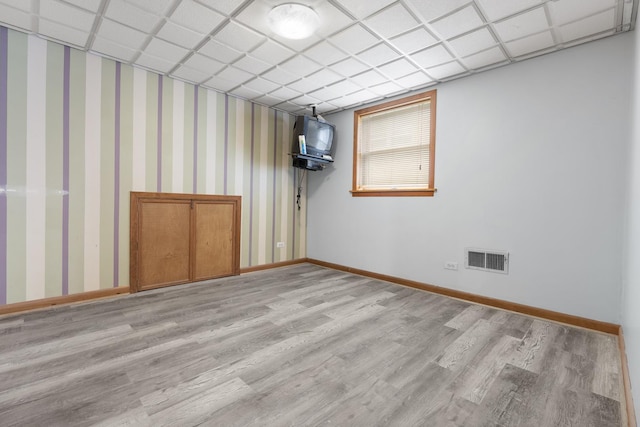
x,y
393,148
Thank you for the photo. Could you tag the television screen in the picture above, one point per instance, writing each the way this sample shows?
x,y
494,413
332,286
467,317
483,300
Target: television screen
x,y
318,136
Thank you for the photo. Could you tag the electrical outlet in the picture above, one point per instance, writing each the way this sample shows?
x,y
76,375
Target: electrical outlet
x,y
280,245
451,265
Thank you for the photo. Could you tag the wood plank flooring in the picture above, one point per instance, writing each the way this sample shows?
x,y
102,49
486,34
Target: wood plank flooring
x,y
301,346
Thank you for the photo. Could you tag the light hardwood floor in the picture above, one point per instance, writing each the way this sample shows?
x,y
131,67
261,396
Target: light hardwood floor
x,y
301,346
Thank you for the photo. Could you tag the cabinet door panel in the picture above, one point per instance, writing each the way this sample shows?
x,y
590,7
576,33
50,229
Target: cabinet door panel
x,y
163,243
213,240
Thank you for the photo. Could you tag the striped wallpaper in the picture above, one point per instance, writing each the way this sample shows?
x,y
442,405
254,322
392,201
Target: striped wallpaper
x,y
79,132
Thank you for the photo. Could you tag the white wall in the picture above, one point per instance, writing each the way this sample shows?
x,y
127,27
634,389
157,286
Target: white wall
x,y
631,277
529,159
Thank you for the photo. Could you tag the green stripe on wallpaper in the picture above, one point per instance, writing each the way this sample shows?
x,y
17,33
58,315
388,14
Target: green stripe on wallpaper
x,y
77,95
125,171
166,147
107,176
17,168
54,170
84,131
151,130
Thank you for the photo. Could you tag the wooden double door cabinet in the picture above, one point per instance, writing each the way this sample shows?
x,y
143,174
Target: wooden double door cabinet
x,y
181,238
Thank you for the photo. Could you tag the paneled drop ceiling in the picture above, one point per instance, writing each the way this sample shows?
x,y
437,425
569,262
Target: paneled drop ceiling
x,y
364,50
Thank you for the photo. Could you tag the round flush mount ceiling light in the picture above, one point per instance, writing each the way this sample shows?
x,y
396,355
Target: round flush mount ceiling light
x,y
293,20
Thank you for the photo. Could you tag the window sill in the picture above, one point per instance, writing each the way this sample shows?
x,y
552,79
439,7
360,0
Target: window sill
x,y
394,193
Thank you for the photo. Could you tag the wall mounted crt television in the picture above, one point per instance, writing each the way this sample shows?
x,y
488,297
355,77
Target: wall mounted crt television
x,y
318,136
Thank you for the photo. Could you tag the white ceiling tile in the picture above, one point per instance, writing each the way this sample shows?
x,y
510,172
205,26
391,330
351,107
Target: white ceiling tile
x,y
331,18
280,76
325,53
23,5
433,9
589,39
196,17
565,11
220,84
114,50
361,9
167,51
498,9
220,52
63,33
285,93
154,63
523,25
458,23
325,77
128,14
378,55
191,75
290,107
387,89
345,86
414,40
326,93
446,70
397,69
300,66
414,80
157,7
91,5
392,21
530,44
246,93
304,85
272,52
586,27
16,18
252,65
223,6
238,37
349,67
261,85
432,56
369,78
485,58
306,100
268,100
204,63
473,42
121,34
180,35
67,15
354,39
235,75
355,98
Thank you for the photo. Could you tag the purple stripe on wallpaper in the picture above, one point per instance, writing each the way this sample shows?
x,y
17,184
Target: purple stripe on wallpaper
x,y
159,139
195,139
116,183
275,173
4,55
66,93
253,130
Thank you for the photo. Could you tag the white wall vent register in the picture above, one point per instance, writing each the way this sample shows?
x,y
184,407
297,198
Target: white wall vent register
x,y
487,260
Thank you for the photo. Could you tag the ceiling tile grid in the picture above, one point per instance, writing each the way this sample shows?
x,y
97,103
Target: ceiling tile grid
x,y
363,51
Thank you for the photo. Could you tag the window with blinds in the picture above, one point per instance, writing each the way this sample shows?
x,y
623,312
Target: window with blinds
x,y
394,148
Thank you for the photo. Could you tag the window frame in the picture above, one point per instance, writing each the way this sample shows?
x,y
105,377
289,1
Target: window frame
x,y
403,192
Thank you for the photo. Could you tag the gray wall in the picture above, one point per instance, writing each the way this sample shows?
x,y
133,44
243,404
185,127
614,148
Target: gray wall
x,y
530,159
631,277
